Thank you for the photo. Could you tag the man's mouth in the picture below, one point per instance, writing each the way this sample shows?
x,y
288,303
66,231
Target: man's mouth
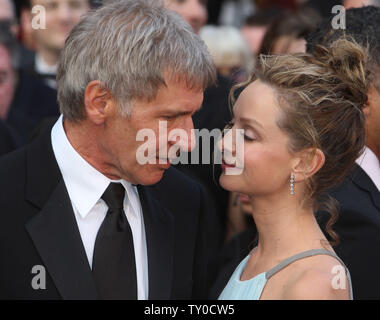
x,y
163,163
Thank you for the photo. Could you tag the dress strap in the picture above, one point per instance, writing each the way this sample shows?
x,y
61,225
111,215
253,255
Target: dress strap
x,y
306,254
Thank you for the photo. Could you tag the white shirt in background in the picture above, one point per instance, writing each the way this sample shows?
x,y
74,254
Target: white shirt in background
x,y
371,165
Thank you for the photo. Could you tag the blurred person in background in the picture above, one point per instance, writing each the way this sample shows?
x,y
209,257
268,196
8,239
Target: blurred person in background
x,y
61,17
358,223
8,13
360,3
9,60
256,25
288,31
229,50
193,11
24,99
9,139
8,16
235,12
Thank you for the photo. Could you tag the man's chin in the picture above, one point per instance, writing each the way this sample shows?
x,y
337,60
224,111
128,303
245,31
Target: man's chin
x,y
151,178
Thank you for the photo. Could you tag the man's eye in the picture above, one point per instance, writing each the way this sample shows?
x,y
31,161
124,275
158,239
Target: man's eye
x,y
168,117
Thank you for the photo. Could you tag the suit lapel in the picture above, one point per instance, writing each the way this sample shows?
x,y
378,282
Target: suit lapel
x,y
53,230
56,237
159,229
363,181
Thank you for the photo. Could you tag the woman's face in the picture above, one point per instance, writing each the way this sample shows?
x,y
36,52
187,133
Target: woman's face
x,y
267,161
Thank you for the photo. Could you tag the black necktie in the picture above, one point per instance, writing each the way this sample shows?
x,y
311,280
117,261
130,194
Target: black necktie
x,y
113,264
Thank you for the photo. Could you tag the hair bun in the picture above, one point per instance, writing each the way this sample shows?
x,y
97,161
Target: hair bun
x,y
347,60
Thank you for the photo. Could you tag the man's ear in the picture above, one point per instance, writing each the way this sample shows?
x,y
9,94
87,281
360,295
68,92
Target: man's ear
x,y
97,102
307,163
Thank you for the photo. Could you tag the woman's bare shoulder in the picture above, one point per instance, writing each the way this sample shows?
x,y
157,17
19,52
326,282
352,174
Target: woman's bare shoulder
x,y
318,278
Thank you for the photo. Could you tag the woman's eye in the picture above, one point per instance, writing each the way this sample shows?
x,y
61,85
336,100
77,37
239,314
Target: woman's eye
x,y
249,136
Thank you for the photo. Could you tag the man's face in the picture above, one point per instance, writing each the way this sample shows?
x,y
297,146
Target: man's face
x,y
173,107
7,82
193,11
61,17
7,14
254,36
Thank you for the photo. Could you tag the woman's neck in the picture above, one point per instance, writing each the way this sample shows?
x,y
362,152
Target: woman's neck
x,y
284,228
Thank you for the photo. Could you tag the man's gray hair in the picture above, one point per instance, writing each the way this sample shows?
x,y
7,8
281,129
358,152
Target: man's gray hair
x,y
132,47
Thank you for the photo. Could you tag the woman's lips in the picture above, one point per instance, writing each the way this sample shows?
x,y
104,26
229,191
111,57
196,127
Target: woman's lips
x,y
225,165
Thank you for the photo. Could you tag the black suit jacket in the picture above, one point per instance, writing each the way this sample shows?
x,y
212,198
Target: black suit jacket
x,y
9,140
358,228
33,102
38,227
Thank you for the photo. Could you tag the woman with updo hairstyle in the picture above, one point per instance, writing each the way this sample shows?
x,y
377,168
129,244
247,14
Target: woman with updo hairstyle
x,y
303,128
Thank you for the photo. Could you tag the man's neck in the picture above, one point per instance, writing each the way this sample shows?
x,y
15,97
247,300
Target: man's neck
x,y
84,140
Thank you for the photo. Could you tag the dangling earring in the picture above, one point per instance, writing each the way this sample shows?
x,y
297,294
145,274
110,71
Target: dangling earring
x,y
292,184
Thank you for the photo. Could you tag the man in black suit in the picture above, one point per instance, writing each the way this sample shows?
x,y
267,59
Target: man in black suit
x,y
358,224
60,16
9,140
91,208
24,99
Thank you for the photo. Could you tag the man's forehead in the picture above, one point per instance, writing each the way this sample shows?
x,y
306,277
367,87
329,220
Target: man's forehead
x,y
173,101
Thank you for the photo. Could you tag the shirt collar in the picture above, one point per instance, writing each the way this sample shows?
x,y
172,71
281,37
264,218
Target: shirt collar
x,y
371,165
84,183
43,67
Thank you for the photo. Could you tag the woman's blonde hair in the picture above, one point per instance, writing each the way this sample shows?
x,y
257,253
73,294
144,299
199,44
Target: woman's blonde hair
x,y
322,96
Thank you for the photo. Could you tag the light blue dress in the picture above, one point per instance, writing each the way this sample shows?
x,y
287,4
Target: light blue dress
x,y
251,289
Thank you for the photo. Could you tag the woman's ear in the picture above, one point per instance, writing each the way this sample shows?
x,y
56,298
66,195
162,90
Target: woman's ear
x,y
307,163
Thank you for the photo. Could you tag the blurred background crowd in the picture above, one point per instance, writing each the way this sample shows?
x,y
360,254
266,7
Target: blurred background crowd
x,y
235,31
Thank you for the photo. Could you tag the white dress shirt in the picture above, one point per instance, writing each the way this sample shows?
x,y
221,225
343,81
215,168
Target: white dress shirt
x,y
371,165
85,186
43,68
